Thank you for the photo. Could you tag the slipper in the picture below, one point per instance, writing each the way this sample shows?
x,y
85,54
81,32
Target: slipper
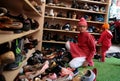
x,y
42,70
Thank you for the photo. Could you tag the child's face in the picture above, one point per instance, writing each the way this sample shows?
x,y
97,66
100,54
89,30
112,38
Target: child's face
x,y
82,28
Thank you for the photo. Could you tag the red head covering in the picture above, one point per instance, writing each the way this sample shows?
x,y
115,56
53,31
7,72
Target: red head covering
x,y
105,26
82,22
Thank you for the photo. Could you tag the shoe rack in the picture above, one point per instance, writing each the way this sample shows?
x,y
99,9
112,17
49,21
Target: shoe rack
x,y
23,6
69,11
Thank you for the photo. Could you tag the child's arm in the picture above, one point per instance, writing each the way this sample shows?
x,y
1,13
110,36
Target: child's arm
x,y
92,47
100,40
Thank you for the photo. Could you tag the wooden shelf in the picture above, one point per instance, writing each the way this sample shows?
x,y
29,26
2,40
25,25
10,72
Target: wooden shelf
x,y
66,11
59,42
52,41
94,2
66,31
69,19
61,18
30,8
73,9
10,75
95,22
17,7
10,37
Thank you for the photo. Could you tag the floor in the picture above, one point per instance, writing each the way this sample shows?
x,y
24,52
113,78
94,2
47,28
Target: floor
x,y
114,48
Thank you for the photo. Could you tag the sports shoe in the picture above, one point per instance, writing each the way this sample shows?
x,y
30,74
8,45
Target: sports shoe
x,y
89,76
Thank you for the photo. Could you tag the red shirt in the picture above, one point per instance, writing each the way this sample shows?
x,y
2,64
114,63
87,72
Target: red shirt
x,y
105,38
85,46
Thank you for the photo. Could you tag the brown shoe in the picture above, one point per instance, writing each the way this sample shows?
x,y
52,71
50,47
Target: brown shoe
x,y
7,57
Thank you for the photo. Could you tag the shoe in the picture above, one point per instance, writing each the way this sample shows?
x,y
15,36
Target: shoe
x,y
7,58
88,76
69,14
65,71
34,24
14,65
49,1
2,78
5,21
74,15
3,11
57,26
63,78
37,79
76,72
4,48
97,56
51,13
52,76
67,26
76,78
15,25
99,18
6,32
42,70
117,55
26,22
74,4
56,69
46,24
60,14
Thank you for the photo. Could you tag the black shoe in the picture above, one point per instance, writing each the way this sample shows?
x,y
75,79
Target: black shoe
x,y
3,11
67,26
76,71
2,78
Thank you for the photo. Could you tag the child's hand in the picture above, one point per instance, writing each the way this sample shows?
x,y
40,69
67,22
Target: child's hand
x,y
85,64
95,42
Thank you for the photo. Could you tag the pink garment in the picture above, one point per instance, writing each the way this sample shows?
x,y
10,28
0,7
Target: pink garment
x,y
84,48
105,40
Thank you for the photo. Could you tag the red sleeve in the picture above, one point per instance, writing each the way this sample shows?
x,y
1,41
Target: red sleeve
x,y
92,47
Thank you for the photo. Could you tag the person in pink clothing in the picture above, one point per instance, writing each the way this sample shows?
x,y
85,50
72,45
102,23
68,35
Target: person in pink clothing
x,y
83,51
105,40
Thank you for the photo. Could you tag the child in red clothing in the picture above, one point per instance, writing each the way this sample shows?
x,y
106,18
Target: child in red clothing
x,y
83,51
105,40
